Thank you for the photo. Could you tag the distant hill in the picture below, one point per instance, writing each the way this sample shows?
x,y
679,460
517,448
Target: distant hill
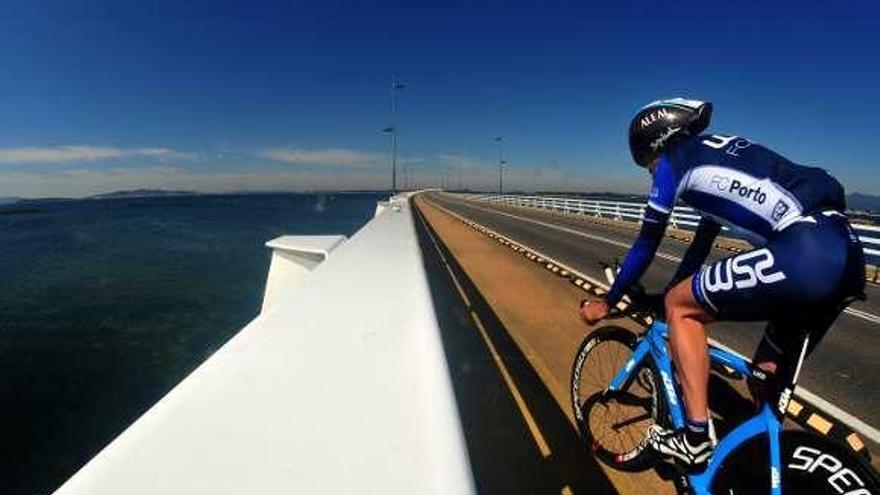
x,y
856,201
142,193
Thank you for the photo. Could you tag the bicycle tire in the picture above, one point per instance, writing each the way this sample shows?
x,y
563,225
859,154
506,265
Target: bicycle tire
x,y
811,464
609,446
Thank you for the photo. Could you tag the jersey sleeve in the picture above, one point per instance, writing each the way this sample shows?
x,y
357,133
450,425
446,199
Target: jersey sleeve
x,y
640,254
664,188
664,191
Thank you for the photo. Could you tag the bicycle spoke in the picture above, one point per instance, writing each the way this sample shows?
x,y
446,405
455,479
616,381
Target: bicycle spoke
x,y
631,421
615,420
629,399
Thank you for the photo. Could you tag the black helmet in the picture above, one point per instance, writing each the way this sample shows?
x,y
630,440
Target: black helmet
x,y
661,123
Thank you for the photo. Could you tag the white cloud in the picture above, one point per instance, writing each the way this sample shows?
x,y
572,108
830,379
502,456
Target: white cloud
x,y
481,173
322,169
330,156
84,182
82,153
464,161
162,153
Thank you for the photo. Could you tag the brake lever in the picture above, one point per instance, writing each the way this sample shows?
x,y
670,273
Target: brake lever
x,y
636,300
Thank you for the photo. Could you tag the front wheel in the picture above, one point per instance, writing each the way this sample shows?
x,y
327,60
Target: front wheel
x,y
614,424
811,464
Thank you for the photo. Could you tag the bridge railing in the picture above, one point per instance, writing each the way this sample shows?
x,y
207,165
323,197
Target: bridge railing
x,y
682,216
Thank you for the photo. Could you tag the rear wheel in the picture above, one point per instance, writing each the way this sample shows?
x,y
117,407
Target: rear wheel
x,y
811,463
614,424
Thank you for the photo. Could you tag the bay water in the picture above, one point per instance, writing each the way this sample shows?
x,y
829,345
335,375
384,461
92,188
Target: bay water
x,y
105,305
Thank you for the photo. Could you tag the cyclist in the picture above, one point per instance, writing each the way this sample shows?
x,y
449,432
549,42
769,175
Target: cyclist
x,y
807,259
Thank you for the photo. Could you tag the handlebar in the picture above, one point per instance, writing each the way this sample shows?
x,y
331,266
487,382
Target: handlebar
x,y
637,301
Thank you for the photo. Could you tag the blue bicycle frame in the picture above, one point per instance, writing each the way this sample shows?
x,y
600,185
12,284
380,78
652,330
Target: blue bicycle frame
x,y
653,345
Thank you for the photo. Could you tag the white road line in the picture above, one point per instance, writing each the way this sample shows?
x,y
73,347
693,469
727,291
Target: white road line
x,y
870,317
660,254
533,250
839,414
863,314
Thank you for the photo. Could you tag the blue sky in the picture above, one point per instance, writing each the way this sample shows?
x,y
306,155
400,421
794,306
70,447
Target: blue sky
x,y
219,96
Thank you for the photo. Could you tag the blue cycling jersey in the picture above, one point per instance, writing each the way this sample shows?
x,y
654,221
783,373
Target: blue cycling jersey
x,y
732,181
742,184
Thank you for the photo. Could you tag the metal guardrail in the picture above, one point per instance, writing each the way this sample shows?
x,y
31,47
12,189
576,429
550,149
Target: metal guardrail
x,y
682,216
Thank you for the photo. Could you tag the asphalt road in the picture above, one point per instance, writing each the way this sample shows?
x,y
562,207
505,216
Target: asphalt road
x,y
503,455
843,370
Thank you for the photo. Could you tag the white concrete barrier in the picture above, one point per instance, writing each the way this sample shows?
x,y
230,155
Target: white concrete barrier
x,y
293,258
340,386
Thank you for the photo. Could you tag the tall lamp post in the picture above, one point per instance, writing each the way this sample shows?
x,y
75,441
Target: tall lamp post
x,y
500,141
396,86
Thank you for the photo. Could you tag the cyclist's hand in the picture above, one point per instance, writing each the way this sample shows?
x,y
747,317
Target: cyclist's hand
x,y
593,311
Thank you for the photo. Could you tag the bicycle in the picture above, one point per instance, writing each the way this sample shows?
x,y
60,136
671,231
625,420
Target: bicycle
x,y
756,456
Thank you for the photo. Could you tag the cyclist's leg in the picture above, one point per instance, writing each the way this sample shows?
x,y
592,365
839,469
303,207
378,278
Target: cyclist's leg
x,y
783,338
796,282
687,337
781,344
780,349
804,266
687,321
762,284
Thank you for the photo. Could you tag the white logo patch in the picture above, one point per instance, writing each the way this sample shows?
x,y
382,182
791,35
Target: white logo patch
x,y
743,272
760,196
670,389
841,478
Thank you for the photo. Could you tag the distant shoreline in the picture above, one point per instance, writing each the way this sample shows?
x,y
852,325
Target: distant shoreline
x,y
862,205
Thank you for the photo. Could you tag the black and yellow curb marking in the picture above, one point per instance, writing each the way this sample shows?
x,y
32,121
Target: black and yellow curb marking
x,y
802,413
807,415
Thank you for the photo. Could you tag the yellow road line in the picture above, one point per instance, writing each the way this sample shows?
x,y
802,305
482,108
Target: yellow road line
x,y
508,379
533,357
461,293
514,390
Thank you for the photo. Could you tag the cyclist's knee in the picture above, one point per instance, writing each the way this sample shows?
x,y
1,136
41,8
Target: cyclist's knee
x,y
680,303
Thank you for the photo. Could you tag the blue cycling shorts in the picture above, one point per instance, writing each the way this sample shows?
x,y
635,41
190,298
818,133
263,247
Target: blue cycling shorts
x,y
801,276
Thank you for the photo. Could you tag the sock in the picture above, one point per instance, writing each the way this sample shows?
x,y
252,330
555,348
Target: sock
x,y
696,432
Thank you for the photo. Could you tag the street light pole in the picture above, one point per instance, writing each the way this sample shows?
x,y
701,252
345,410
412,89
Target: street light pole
x,y
501,163
395,86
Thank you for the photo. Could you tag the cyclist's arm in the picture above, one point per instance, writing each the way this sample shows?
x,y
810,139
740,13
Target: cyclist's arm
x,y
664,192
697,252
640,254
